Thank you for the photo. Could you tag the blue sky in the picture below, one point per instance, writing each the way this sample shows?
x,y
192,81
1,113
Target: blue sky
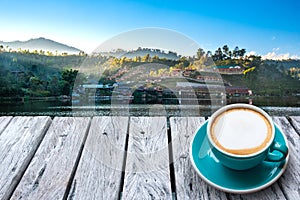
x,y
266,27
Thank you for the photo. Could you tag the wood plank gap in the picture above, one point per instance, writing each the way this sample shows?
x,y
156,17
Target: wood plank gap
x,y
69,185
290,179
26,161
147,174
171,161
27,165
282,190
50,170
228,196
99,171
21,174
293,125
6,120
124,160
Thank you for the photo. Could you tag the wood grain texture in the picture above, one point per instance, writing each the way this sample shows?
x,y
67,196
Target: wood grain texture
x,y
273,192
296,123
48,174
287,187
290,180
18,143
100,169
4,122
147,173
188,183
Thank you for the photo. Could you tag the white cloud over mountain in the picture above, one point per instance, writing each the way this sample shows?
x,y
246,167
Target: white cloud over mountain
x,y
275,56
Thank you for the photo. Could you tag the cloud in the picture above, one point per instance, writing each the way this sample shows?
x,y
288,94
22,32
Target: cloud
x,y
274,56
251,53
276,49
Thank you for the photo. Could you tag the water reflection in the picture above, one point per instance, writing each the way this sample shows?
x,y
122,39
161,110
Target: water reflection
x,y
277,107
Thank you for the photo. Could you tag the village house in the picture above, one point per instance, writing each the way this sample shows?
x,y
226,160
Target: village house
x,y
229,69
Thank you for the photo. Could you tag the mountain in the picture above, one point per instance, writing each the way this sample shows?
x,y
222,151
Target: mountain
x,y
142,52
286,64
41,44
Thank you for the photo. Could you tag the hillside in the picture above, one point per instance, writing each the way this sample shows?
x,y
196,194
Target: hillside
x,y
40,75
140,52
267,79
40,44
28,74
286,64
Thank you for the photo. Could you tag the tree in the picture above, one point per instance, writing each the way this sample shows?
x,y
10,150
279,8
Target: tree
x,y
218,56
137,59
162,71
209,54
65,88
34,68
200,53
155,58
35,83
146,58
49,53
82,53
184,61
226,51
69,75
53,86
68,80
242,52
122,60
254,61
235,52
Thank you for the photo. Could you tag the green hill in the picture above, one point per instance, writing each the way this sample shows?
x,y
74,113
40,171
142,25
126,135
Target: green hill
x,y
267,79
29,74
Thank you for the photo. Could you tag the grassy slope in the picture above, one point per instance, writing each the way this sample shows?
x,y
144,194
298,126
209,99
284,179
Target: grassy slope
x,y
266,80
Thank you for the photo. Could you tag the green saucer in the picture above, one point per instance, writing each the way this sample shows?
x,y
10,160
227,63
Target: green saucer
x,y
214,173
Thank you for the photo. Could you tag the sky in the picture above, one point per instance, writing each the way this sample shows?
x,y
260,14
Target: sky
x,y
270,28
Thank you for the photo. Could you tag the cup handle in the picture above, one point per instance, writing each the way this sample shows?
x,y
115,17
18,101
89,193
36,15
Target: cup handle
x,y
282,148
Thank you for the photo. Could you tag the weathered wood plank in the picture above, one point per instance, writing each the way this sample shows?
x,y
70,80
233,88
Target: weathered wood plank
x,y
290,180
188,183
49,172
4,122
147,174
18,143
100,168
270,193
287,187
296,123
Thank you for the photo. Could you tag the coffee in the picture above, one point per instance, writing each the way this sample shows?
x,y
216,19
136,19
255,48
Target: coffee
x,y
241,131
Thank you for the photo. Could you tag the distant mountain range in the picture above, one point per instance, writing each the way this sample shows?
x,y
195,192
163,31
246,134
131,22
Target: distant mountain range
x,y
142,52
40,44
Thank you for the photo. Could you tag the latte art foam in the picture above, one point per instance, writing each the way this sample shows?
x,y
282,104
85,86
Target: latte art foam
x,y
241,131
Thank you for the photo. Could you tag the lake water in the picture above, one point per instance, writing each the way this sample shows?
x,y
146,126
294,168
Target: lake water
x,y
279,107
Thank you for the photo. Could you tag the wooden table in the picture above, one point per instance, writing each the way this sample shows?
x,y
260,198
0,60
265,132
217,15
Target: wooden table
x,y
117,158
